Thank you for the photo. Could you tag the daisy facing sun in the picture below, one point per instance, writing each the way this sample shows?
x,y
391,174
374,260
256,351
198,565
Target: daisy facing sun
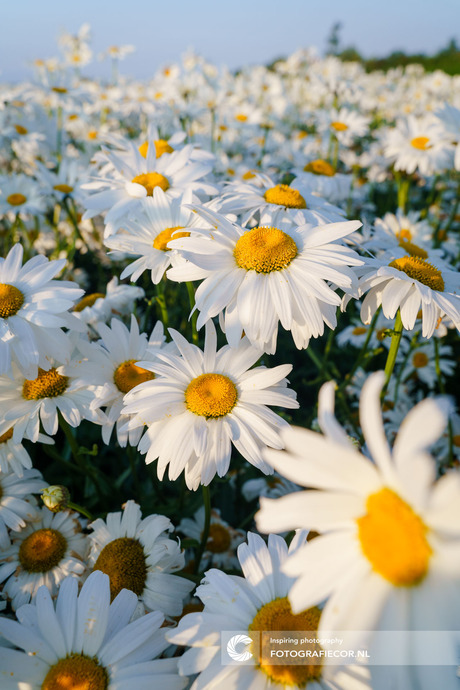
x,y
200,403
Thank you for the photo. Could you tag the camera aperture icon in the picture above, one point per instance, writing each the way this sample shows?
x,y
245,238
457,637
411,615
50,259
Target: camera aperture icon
x,y
235,650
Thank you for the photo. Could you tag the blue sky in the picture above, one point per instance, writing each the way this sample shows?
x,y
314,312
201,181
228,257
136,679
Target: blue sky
x,y
235,33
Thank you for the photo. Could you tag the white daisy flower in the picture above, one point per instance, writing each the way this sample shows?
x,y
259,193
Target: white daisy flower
x,y
84,641
410,283
137,555
20,194
24,403
287,202
266,275
421,364
16,502
135,178
253,604
389,543
346,125
269,487
43,553
63,182
118,301
33,309
222,541
148,236
110,365
321,178
418,144
13,456
200,403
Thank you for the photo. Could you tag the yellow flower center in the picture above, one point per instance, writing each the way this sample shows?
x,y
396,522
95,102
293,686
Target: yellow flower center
x,y
219,539
92,134
128,375
48,384
277,616
420,360
420,270
359,330
64,188
11,300
339,126
456,440
264,250
421,143
161,240
88,301
20,129
211,395
405,234
283,195
151,180
393,539
161,147
42,550
123,560
76,672
59,89
6,436
413,249
240,117
320,167
16,199
249,175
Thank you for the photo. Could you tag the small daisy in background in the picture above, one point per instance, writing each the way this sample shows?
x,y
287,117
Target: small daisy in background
x,y
220,549
118,301
418,144
17,505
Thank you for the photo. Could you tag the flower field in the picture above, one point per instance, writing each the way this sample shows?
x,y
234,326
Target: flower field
x,y
229,315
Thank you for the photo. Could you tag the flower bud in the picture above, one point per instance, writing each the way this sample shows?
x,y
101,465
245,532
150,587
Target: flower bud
x,y
56,498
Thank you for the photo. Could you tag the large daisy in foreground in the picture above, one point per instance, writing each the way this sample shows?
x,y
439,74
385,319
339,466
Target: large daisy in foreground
x,y
266,275
200,403
390,535
83,642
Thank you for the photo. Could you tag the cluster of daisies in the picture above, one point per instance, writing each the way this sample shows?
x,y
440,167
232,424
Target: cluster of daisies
x,y
194,273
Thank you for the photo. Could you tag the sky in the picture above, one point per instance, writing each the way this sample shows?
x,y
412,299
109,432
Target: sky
x,y
234,33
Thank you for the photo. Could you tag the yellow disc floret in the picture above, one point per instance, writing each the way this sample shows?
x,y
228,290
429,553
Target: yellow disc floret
x,y
21,130
283,195
277,616
11,300
219,539
16,199
211,395
151,180
339,126
123,560
42,550
76,672
264,250
128,375
88,301
320,167
161,240
161,147
359,330
48,384
421,270
413,249
64,188
6,436
420,360
421,143
393,539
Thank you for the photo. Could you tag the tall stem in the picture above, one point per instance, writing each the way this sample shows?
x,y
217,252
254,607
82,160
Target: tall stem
x,y
194,316
392,354
207,524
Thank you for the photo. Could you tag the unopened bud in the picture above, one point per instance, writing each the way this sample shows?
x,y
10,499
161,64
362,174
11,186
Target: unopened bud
x,y
56,498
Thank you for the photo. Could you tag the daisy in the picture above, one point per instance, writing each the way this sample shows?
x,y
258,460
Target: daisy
x,y
287,202
84,641
202,402
43,553
33,309
110,366
252,604
421,364
16,502
222,541
24,403
321,178
148,236
63,182
13,456
410,283
266,275
135,178
118,300
137,555
418,144
20,194
389,543
346,125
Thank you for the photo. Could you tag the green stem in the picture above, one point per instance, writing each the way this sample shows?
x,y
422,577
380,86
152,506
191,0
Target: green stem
x,y
161,302
71,440
79,509
393,351
442,389
194,316
207,524
403,193
335,159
